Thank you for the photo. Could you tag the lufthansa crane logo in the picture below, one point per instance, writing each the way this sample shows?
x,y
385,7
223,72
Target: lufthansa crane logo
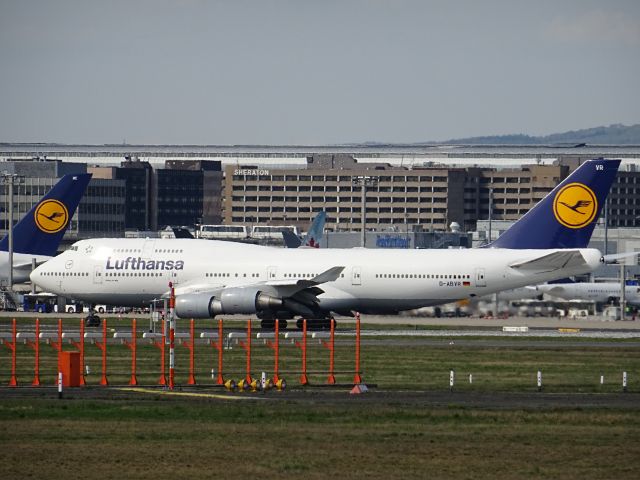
x,y
51,216
575,205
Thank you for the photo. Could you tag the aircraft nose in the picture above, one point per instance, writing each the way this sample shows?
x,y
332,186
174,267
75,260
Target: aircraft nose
x,y
37,277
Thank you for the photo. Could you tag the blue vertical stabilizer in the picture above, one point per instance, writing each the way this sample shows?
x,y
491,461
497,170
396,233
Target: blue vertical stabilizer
x,y
41,230
566,217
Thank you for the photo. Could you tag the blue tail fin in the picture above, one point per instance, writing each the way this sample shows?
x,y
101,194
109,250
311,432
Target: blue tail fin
x,y
41,230
566,217
315,233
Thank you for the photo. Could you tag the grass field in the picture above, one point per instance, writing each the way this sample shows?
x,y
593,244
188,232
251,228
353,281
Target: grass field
x,y
393,432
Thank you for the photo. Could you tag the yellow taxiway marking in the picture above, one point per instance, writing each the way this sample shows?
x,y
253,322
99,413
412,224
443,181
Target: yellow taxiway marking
x,y
189,394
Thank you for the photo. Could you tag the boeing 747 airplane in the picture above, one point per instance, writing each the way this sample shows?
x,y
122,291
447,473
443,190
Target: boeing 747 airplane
x,y
39,233
214,277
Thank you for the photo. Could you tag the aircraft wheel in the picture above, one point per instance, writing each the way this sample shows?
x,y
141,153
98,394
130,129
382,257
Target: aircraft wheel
x,y
267,324
316,324
299,323
92,321
282,324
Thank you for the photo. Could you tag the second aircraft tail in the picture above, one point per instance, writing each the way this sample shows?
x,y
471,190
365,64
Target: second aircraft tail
x,y
40,231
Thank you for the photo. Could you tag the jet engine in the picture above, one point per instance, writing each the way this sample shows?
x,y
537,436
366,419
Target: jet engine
x,y
233,300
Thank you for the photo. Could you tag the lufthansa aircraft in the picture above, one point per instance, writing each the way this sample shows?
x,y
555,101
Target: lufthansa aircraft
x,y
40,231
216,277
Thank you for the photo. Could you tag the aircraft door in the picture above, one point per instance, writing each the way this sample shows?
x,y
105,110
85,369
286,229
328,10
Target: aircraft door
x,y
97,274
272,273
147,248
356,276
481,280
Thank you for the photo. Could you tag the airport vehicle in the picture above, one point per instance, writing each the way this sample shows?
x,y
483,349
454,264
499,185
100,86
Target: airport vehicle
x,y
213,278
38,234
604,292
313,236
222,232
39,302
269,232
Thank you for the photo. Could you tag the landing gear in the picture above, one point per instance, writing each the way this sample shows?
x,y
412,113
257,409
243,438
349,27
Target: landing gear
x,y
270,324
316,323
92,320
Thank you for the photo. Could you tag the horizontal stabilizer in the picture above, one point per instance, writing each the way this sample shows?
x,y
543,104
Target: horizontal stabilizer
x,y
613,258
552,261
291,240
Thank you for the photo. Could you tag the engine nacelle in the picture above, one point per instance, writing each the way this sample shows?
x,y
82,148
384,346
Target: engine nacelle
x,y
194,305
233,300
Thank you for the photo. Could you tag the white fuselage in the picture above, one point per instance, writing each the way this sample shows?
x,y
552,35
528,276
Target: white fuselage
x,y
135,271
593,292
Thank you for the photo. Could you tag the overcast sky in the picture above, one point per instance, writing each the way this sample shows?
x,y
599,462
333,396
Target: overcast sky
x,y
313,72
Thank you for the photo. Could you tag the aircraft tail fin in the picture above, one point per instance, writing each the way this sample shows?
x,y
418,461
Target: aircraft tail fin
x,y
181,232
40,231
315,233
566,217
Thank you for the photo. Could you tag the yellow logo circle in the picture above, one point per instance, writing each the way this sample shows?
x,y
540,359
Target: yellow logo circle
x,y
51,216
575,205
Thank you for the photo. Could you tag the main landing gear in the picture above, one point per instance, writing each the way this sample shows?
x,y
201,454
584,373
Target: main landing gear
x,y
312,324
92,320
316,323
270,324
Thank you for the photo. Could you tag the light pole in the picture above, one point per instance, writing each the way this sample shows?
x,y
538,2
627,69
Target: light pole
x,y
10,180
364,181
490,212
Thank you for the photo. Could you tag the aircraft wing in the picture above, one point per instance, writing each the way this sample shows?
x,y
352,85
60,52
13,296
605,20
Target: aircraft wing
x,y
330,275
552,261
299,296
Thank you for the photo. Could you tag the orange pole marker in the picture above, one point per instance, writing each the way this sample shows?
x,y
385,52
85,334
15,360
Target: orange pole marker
x,y
357,377
172,336
133,345
161,345
80,346
192,362
13,381
220,379
331,379
304,380
58,346
35,345
275,345
247,347
218,345
103,347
